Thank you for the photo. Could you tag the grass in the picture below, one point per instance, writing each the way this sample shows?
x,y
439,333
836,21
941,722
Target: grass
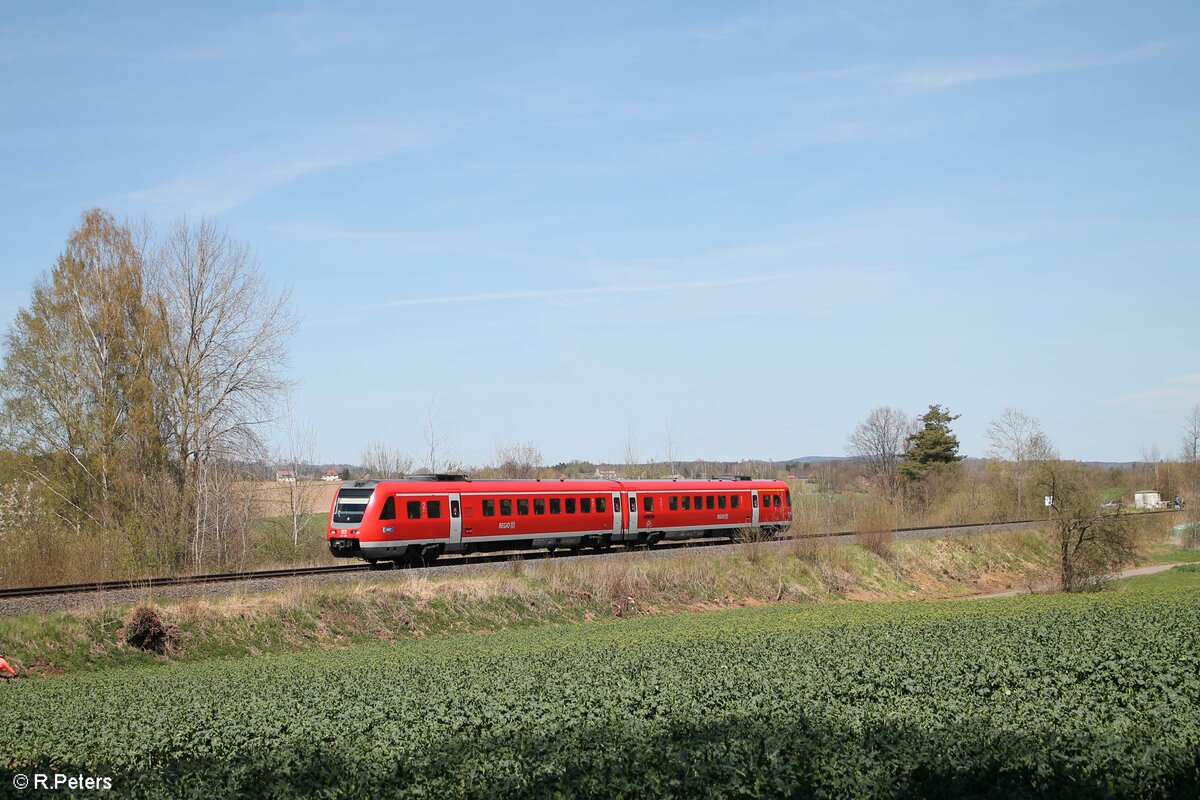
x,y
1183,577
412,606
528,594
1079,696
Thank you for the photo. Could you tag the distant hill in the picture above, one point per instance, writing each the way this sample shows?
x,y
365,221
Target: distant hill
x,y
812,459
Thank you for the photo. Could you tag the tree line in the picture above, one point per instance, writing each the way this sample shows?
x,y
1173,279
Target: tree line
x,y
145,367
912,463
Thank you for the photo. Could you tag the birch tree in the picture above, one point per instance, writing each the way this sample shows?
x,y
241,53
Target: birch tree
x,y
226,344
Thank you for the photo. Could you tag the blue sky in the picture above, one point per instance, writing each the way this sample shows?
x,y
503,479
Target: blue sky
x,y
750,223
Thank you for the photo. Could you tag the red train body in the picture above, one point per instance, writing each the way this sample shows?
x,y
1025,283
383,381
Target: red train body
x,y
419,518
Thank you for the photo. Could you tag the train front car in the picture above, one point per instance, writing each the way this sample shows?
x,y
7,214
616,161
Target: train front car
x,y
408,520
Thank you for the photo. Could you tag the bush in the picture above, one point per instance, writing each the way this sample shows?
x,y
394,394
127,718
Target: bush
x,y
146,631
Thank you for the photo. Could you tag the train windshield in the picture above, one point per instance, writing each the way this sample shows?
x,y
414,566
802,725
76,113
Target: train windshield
x,y
351,503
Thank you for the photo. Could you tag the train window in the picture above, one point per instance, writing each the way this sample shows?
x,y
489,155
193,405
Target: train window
x,y
708,502
489,508
699,501
585,505
787,498
617,504
778,501
754,500
687,502
454,508
570,505
602,505
647,503
434,509
721,501
735,500
539,505
673,502
523,507
555,505
389,509
351,503
506,508
414,509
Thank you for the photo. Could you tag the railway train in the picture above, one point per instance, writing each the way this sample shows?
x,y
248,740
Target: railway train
x,y
416,519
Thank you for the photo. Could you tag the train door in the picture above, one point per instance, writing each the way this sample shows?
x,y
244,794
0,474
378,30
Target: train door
x,y
455,519
633,513
754,507
616,512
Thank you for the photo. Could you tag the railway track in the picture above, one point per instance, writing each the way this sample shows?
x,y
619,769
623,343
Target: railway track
x,y
449,561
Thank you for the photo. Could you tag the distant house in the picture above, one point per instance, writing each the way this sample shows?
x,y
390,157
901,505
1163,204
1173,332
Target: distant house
x,y
1147,499
331,475
285,476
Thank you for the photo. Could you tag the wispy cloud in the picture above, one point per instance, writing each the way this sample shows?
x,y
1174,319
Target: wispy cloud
x,y
953,75
585,291
1179,392
224,182
288,33
275,35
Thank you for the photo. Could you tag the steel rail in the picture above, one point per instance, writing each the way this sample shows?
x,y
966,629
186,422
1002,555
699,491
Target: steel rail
x,y
474,558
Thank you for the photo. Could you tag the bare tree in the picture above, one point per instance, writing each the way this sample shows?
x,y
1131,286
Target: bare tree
x,y
227,337
518,460
1190,451
1093,543
878,443
671,448
299,451
1017,439
631,449
440,441
381,460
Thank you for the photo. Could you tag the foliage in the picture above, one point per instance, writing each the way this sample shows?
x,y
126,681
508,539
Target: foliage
x,y
933,445
1064,696
81,368
135,377
1093,542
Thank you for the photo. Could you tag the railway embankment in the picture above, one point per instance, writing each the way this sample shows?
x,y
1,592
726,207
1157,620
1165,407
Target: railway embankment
x,y
416,605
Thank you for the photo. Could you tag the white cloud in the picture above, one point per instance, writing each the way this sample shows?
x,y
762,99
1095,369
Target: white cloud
x,y
582,291
949,76
224,182
1178,393
286,34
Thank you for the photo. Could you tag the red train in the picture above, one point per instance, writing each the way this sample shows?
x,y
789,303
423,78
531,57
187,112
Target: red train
x,y
418,518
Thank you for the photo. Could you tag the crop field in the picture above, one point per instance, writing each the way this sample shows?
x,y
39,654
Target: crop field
x,y
273,499
1057,696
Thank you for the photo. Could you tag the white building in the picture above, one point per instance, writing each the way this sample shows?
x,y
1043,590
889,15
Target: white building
x,y
1147,499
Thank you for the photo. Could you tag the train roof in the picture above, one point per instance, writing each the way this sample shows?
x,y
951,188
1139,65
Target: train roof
x,y
454,482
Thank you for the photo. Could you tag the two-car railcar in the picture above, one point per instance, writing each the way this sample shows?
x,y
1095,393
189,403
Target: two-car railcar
x,y
420,517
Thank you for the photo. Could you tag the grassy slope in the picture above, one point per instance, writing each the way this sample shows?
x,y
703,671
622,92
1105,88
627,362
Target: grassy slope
x,y
525,595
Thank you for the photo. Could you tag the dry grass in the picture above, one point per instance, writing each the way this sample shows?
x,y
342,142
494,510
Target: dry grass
x,y
876,525
545,592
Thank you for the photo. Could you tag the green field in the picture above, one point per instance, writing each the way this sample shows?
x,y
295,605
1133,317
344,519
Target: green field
x,y
1050,696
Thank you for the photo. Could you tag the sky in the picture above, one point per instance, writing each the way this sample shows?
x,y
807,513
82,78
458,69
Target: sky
x,y
572,224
